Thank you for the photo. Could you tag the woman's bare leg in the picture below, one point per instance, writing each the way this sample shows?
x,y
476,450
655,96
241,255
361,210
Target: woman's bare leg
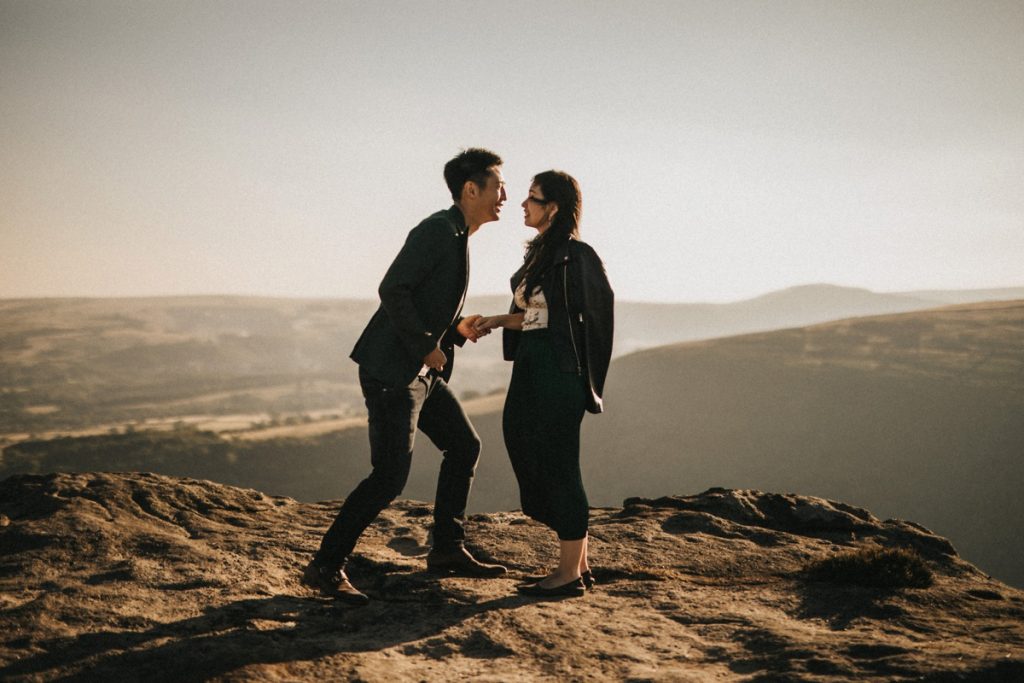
x,y
584,559
570,554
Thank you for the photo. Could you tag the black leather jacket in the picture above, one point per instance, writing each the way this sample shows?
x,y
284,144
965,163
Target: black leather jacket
x,y
580,316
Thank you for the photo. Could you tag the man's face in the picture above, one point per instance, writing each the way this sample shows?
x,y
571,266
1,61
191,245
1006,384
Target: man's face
x,y
491,197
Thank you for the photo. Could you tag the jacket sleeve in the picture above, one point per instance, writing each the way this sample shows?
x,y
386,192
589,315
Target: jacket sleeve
x,y
598,306
453,335
418,257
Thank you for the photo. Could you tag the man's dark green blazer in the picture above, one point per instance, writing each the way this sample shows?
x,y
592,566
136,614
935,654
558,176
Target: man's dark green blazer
x,y
421,297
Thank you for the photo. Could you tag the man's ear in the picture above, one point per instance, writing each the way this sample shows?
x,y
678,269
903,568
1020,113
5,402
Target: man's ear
x,y
470,190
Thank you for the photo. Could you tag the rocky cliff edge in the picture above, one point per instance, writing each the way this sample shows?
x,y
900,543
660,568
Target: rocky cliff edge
x,y
145,577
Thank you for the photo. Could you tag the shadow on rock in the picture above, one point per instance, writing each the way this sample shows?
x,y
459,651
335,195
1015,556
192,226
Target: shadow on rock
x,y
271,630
840,606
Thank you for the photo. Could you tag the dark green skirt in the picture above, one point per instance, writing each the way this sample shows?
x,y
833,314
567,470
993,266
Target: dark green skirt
x,y
541,422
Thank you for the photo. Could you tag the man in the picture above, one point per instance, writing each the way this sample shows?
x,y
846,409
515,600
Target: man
x,y
405,358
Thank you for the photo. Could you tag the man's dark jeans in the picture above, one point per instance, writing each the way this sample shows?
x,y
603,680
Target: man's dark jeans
x,y
394,415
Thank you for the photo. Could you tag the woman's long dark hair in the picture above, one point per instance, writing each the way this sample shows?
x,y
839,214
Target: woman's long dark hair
x,y
562,189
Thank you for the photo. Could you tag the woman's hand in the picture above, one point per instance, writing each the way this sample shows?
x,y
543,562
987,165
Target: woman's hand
x,y
487,323
512,321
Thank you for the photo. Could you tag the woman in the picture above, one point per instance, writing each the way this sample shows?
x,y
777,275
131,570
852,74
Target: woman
x,y
558,332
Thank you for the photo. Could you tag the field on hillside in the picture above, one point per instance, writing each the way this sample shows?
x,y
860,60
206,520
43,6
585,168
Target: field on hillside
x,y
92,366
78,363
99,365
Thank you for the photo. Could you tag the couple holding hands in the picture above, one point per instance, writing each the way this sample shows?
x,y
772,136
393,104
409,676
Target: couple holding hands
x,y
558,332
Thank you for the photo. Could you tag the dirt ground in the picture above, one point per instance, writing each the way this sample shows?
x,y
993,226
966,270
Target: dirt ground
x,y
143,577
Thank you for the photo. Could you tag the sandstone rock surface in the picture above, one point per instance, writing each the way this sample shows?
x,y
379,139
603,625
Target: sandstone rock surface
x,y
145,577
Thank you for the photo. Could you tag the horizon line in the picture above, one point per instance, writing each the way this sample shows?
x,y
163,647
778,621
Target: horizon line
x,y
300,297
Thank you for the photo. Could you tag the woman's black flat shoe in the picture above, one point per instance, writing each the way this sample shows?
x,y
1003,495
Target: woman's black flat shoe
x,y
588,580
573,589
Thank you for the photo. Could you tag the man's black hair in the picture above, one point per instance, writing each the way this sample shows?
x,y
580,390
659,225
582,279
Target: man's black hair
x,y
471,164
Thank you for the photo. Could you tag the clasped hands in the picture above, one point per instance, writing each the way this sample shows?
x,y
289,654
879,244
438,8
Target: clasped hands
x,y
472,327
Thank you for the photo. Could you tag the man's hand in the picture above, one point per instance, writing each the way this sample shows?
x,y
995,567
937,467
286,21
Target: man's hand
x,y
435,360
468,328
484,325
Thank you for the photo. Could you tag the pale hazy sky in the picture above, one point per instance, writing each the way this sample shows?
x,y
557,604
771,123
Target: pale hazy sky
x,y
724,149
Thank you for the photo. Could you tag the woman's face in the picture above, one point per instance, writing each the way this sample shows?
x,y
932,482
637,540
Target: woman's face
x,y
538,211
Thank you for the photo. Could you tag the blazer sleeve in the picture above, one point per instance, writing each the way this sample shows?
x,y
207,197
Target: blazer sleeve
x,y
421,253
453,335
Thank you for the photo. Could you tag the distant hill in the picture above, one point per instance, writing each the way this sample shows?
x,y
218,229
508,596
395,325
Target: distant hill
x,y
966,296
74,364
648,325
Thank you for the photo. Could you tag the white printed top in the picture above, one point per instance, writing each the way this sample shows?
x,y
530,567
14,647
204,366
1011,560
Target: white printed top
x,y
535,316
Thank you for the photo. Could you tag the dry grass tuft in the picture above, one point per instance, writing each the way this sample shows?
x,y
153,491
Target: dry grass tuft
x,y
874,567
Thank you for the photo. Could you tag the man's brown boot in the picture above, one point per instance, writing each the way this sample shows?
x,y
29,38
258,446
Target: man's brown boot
x,y
458,561
332,583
